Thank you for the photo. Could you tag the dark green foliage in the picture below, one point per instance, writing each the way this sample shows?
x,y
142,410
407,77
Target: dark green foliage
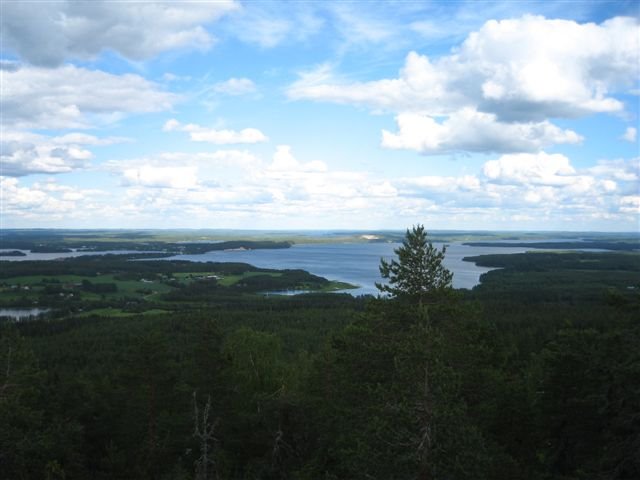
x,y
418,272
99,287
534,375
393,402
590,395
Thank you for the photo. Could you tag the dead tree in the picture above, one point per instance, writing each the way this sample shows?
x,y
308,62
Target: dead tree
x,y
204,431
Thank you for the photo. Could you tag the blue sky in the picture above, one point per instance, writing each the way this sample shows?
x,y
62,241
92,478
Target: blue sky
x,y
320,115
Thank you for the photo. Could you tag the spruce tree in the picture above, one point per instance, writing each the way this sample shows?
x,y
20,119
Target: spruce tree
x,y
418,273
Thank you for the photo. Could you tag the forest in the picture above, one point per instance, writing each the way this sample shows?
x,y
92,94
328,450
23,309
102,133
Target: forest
x,y
176,370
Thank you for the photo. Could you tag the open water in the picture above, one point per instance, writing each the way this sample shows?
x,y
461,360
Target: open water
x,y
355,263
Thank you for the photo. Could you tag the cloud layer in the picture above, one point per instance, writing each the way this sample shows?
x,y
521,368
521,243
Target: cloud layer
x,y
519,114
74,97
198,133
234,187
57,31
507,79
24,153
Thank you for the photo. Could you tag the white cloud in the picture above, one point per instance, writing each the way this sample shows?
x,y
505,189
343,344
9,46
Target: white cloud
x,y
77,138
284,161
194,171
235,87
357,26
23,153
162,177
421,87
234,188
520,72
198,133
265,32
538,68
630,134
53,32
263,24
618,170
74,97
238,159
524,168
473,131
47,202
383,189
630,204
441,183
528,68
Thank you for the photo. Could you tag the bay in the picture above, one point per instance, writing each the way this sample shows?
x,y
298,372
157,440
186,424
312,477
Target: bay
x,y
355,263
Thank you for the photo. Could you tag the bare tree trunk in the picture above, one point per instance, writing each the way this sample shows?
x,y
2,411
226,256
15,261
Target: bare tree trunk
x,y
204,431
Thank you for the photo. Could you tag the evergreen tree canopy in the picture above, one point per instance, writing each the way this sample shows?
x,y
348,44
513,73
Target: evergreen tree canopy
x,y
418,273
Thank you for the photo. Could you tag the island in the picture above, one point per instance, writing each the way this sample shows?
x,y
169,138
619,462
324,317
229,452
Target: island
x,y
13,253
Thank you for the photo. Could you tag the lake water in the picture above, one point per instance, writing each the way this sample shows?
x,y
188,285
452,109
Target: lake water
x,y
22,313
355,263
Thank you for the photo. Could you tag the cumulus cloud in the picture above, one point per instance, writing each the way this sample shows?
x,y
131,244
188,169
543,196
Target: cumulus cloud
x,y
284,161
182,170
630,134
545,187
524,69
539,68
232,187
47,202
524,168
441,183
198,133
162,177
74,97
473,131
630,204
625,171
56,31
24,153
235,87
508,78
421,87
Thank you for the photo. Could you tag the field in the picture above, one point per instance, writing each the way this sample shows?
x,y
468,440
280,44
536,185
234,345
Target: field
x,y
110,285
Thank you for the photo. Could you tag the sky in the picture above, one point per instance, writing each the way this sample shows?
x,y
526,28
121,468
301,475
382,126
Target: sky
x,y
468,115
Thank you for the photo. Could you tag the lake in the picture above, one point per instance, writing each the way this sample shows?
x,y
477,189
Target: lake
x,y
355,263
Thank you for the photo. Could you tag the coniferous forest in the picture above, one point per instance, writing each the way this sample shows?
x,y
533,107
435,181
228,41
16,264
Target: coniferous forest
x,y
534,374
213,264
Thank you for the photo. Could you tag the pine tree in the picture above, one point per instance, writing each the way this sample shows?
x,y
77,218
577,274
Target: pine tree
x,y
418,273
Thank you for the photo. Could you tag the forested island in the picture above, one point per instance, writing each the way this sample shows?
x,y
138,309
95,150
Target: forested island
x,y
167,369
12,253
